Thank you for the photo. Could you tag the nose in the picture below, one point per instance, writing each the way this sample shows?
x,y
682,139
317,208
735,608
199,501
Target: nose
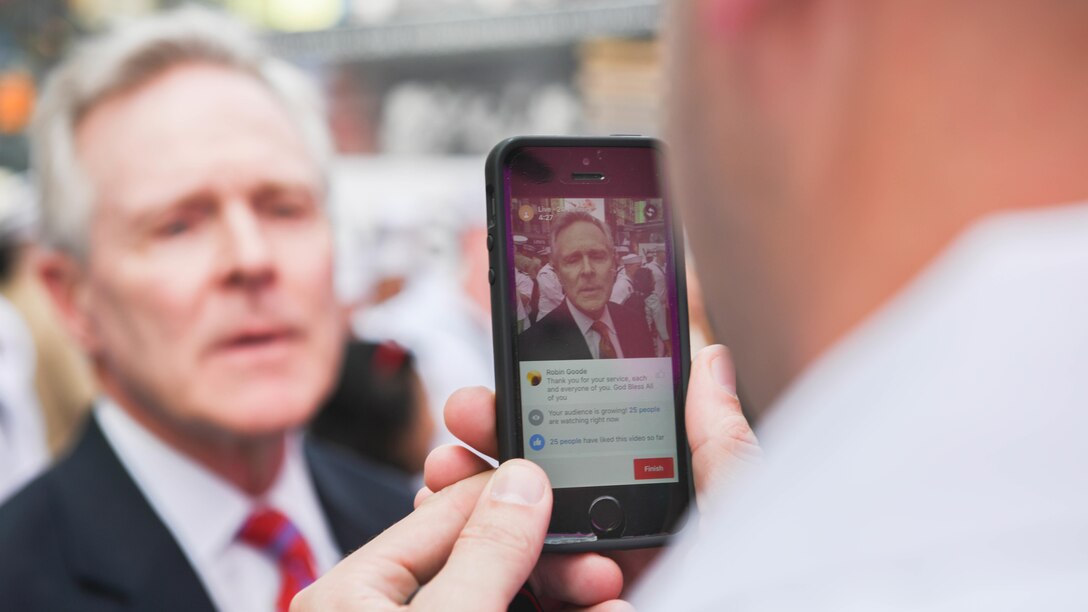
x,y
249,255
587,266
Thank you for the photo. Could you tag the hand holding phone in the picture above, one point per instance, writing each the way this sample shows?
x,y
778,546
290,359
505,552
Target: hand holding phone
x,y
591,370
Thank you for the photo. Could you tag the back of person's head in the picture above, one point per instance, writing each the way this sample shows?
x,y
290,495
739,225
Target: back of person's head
x,y
125,58
9,254
643,281
377,409
824,152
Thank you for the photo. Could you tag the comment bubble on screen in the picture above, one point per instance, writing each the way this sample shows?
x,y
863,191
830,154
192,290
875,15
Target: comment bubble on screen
x,y
600,422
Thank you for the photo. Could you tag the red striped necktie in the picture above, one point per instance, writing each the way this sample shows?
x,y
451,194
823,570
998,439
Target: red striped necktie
x,y
605,350
275,535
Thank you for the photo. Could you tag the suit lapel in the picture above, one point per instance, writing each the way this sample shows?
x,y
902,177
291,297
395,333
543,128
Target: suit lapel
x,y
634,337
116,546
360,499
337,501
572,338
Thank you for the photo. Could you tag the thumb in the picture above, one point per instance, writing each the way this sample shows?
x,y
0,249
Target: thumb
x,y
386,572
720,437
498,547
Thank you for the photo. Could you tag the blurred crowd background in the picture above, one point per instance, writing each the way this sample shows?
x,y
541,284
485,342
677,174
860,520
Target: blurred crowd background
x,y
417,92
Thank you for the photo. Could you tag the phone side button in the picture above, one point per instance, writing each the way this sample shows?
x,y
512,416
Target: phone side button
x,y
491,276
490,241
606,515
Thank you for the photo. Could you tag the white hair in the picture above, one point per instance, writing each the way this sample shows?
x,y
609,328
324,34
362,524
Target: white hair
x,y
125,58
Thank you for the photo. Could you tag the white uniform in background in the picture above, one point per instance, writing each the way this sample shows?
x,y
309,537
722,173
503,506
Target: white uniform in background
x,y
658,322
551,292
525,292
932,460
660,288
622,288
23,450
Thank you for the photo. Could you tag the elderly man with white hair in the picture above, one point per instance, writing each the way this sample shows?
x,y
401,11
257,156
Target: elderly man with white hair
x,y
182,178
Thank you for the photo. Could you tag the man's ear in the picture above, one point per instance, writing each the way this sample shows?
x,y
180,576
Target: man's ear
x,y
65,279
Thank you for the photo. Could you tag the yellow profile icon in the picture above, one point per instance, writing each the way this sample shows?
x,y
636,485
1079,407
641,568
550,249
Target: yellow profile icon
x,y
534,377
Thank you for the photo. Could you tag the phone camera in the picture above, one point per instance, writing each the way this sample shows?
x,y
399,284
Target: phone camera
x,y
585,161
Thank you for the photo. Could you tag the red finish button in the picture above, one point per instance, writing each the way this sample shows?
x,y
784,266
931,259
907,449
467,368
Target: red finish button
x,y
653,469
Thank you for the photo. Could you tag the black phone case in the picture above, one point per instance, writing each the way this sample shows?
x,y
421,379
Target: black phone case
x,y
499,276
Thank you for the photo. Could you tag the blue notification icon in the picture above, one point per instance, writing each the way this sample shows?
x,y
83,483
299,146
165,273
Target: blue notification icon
x,y
536,442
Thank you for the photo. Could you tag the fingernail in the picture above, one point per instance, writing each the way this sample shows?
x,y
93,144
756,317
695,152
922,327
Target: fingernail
x,y
516,483
721,369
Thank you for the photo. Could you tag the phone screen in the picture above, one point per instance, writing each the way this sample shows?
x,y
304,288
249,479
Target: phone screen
x,y
597,346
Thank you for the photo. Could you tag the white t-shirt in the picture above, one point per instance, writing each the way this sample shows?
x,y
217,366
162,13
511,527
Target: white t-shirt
x,y
934,459
204,512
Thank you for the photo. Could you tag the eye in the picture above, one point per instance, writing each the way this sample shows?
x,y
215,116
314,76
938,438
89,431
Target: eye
x,y
286,204
175,228
180,224
285,209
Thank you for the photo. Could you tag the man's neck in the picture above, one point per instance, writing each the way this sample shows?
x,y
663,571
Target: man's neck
x,y
912,171
249,463
588,315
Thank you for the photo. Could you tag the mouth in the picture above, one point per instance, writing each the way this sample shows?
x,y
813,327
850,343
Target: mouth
x,y
257,343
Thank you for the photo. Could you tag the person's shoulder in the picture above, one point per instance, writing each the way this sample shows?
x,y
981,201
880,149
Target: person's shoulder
x,y
31,539
556,336
27,508
625,314
387,491
559,317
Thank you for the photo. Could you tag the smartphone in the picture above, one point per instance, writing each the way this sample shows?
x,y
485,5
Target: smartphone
x,y
589,314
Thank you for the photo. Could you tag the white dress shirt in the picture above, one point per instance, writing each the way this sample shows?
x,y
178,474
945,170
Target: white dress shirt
x,y
23,451
934,459
204,512
593,339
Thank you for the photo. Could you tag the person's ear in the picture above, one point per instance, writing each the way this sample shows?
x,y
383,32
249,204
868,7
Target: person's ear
x,y
65,280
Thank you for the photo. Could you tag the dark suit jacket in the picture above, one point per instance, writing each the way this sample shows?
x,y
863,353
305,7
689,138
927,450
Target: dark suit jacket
x,y
83,537
557,336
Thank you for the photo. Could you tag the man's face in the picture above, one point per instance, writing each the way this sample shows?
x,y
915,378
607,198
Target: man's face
x,y
208,293
630,269
583,262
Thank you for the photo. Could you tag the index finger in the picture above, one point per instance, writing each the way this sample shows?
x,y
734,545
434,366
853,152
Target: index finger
x,y
392,566
470,415
721,440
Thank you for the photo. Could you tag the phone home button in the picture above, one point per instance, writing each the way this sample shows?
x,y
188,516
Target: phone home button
x,y
606,516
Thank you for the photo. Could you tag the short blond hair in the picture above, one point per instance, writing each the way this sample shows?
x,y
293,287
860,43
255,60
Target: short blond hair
x,y
125,58
569,218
